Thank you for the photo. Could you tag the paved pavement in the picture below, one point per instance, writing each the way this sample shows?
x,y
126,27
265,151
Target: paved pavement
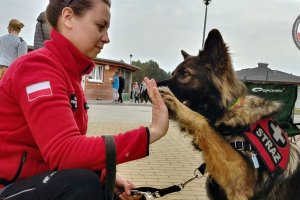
x,y
172,159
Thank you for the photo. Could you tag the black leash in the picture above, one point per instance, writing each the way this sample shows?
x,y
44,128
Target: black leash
x,y
152,193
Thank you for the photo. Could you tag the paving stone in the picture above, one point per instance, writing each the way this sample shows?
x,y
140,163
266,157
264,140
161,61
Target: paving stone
x,y
172,159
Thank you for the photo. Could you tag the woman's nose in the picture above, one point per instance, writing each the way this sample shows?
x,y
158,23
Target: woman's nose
x,y
105,38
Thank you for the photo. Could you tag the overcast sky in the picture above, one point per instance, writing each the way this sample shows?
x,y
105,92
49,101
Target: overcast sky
x,y
256,30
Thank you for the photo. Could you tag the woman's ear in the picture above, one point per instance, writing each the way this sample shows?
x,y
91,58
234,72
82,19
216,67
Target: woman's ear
x,y
66,16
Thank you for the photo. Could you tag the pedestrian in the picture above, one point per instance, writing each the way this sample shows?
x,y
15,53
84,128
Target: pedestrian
x,y
42,31
12,45
136,92
121,87
131,92
115,86
45,153
144,95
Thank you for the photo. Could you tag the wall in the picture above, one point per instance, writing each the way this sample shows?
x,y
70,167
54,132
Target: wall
x,y
297,104
100,91
103,90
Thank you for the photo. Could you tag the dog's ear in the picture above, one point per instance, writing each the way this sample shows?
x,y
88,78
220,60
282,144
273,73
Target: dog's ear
x,y
214,46
185,54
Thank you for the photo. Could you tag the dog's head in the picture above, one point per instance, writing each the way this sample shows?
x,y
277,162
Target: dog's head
x,y
207,82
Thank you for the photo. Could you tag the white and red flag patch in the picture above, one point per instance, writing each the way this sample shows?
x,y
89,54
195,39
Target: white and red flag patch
x,y
37,90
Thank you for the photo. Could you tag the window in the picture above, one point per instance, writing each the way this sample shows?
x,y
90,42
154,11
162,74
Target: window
x,y
97,74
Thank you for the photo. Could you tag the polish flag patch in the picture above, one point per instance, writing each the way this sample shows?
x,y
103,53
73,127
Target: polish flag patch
x,y
38,90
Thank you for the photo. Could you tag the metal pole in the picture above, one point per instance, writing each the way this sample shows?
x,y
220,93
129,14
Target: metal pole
x,y
204,25
130,56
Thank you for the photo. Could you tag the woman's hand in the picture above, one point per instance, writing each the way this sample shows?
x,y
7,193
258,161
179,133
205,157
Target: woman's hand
x,y
123,188
160,116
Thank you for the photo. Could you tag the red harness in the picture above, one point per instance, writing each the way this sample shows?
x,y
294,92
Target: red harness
x,y
271,142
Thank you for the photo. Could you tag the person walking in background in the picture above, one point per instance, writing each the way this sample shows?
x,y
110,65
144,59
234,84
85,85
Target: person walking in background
x,y
12,45
136,92
121,87
115,86
131,92
144,96
42,31
45,152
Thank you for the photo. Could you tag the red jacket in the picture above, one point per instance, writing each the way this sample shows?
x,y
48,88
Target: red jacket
x,y
39,131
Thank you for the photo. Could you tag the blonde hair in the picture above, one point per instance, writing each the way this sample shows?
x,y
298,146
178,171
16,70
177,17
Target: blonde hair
x,y
15,25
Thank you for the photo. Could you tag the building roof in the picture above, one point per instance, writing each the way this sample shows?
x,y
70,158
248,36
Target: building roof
x,y
121,63
264,74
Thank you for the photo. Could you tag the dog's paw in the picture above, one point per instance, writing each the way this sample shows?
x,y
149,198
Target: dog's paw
x,y
171,101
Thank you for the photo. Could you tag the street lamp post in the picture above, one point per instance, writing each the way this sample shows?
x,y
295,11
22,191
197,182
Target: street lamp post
x,y
130,57
267,77
206,2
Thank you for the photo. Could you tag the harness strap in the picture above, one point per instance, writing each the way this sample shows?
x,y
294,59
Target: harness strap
x,y
271,180
268,185
110,167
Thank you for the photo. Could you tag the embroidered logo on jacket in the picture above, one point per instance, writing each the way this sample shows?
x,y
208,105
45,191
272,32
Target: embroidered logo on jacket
x,y
37,90
271,143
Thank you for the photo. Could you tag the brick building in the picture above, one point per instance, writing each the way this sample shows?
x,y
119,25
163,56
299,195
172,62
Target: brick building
x,y
97,84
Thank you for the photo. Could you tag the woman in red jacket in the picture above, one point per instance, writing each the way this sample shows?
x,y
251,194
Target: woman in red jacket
x,y
44,153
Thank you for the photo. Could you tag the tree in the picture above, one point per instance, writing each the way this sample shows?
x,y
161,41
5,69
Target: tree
x,y
150,69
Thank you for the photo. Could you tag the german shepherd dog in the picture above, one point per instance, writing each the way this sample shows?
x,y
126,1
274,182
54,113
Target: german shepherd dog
x,y
211,104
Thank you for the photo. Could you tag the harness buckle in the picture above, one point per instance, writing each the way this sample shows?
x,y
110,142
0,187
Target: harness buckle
x,y
239,145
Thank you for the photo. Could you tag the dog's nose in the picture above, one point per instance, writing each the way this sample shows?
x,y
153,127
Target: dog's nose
x,y
158,83
162,83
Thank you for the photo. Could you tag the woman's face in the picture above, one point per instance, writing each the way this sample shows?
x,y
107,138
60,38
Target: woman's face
x,y
89,32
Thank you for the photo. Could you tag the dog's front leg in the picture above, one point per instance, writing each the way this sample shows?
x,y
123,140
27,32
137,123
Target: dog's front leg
x,y
224,163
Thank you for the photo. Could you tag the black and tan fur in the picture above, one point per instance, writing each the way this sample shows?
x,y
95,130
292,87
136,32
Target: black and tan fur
x,y
198,96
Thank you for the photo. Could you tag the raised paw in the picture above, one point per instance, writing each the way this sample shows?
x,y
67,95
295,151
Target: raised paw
x,y
172,103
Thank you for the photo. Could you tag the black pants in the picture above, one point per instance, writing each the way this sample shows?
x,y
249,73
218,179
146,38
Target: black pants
x,y
120,91
70,184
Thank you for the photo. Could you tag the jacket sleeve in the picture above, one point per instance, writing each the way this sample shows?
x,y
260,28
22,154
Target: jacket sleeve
x,y
52,124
